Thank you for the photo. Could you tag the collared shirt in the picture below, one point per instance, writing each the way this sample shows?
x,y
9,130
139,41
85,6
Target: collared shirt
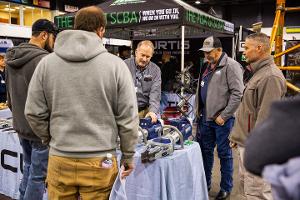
x,y
147,83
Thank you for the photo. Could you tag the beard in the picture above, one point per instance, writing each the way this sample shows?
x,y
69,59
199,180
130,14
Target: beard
x,y
47,46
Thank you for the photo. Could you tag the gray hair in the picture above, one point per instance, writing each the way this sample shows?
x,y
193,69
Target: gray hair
x,y
146,43
262,39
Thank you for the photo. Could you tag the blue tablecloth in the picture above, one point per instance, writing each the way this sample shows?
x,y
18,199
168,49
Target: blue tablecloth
x,y
177,177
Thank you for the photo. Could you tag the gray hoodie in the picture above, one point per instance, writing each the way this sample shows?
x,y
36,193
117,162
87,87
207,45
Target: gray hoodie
x,y
81,98
20,65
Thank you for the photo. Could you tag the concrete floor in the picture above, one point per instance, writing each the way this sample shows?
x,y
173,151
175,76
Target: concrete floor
x,y
216,178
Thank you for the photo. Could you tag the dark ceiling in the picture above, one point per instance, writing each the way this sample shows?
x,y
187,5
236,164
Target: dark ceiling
x,y
240,12
204,3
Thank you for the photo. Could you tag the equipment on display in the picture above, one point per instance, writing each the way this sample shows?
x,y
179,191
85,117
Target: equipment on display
x,y
185,91
149,130
183,125
162,146
5,123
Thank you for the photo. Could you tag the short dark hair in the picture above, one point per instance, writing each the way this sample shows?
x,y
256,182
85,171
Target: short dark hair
x,y
123,48
262,39
90,19
43,25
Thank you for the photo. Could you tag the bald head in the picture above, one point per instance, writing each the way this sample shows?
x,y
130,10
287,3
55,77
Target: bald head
x,y
90,19
146,43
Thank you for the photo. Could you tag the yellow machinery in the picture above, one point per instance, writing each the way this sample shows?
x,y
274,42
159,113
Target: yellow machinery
x,y
277,35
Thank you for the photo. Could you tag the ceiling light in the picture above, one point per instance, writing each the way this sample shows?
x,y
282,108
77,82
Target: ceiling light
x,y
197,2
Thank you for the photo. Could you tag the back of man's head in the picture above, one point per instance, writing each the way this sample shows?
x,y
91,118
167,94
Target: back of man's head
x,y
43,25
90,19
261,39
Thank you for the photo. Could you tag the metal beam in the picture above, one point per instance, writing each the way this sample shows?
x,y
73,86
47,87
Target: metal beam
x,y
291,68
287,51
292,87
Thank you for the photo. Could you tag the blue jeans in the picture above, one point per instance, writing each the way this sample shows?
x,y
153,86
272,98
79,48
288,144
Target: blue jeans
x,y
163,101
209,135
35,156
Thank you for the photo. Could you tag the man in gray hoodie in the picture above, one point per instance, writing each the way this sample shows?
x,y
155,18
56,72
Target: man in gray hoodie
x,y
20,65
79,100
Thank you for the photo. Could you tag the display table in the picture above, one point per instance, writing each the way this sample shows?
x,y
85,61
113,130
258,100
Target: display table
x,y
11,160
176,177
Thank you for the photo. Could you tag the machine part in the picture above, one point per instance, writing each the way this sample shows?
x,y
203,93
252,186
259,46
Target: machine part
x,y
162,146
172,132
149,130
186,88
142,135
5,123
184,126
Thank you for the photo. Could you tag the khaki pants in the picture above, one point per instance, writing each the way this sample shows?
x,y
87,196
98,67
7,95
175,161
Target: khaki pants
x,y
252,187
67,178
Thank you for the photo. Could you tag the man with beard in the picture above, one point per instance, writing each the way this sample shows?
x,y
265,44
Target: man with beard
x,y
147,80
20,65
218,96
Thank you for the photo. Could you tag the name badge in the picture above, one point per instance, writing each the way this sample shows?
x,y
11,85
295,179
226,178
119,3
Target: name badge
x,y
2,82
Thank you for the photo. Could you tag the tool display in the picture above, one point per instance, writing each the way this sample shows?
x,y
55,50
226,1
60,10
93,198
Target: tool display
x,y
162,146
149,130
183,125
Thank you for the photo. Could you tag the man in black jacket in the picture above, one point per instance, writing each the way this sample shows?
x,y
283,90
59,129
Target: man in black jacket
x,y
20,65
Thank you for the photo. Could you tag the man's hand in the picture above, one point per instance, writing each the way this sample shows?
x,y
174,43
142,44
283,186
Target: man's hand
x,y
220,121
153,116
232,144
127,169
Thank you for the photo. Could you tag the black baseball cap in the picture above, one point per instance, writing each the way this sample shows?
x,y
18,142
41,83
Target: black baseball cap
x,y
44,25
211,43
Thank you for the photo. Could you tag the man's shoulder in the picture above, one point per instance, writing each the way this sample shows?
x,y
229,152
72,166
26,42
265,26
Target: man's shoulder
x,y
231,62
271,71
154,66
128,61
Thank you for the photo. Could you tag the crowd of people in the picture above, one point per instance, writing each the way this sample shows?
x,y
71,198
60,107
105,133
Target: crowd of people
x,y
70,100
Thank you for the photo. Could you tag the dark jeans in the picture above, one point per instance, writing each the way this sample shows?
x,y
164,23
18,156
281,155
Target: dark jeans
x,y
209,135
35,154
163,102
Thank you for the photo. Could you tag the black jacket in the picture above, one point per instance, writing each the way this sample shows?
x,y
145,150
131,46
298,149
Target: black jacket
x,y
277,139
20,65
